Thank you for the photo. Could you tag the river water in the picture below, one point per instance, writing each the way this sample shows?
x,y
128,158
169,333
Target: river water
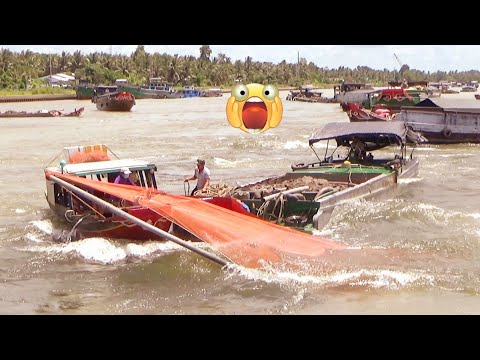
x,y
415,250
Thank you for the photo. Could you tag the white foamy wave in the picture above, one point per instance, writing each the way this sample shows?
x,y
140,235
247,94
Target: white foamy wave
x,y
97,249
3,229
424,148
409,180
424,206
474,215
325,232
20,211
33,237
45,226
227,164
380,278
372,278
294,145
104,251
146,249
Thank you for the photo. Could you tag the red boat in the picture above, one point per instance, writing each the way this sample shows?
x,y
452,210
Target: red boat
x,y
86,218
356,113
81,190
108,98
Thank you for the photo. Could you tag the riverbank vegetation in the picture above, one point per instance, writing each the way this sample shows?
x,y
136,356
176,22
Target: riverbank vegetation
x,y
21,71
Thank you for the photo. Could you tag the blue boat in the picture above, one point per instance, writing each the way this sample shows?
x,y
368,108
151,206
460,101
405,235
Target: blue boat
x,y
190,91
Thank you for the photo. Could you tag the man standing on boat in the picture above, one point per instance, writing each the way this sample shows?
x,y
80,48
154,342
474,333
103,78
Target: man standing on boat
x,y
202,174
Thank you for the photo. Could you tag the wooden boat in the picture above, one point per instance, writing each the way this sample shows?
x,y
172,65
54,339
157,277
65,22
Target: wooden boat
x,y
189,91
156,89
107,98
444,121
80,192
356,113
468,88
211,93
98,164
393,99
41,113
86,220
307,195
84,90
308,93
352,92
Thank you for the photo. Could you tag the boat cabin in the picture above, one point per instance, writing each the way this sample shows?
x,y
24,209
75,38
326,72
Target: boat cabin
x,y
104,89
95,162
158,84
189,91
347,87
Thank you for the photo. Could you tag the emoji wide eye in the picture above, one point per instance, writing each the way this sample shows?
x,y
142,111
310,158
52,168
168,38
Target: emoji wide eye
x,y
240,92
270,91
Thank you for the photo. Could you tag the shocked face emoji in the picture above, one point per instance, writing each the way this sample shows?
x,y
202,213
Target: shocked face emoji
x,y
254,108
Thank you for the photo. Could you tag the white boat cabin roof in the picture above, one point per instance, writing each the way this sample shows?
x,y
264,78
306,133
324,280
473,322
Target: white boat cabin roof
x,y
103,167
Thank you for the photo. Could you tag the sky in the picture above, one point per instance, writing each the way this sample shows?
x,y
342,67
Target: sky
x,y
420,57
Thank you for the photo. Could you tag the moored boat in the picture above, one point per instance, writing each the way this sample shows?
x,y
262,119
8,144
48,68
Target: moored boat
x,y
211,93
393,99
84,91
189,91
355,113
156,89
444,121
41,113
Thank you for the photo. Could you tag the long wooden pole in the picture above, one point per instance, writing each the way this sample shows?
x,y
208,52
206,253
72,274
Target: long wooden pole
x,y
137,221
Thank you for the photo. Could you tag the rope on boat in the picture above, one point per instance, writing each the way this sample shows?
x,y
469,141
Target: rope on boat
x,y
86,204
71,232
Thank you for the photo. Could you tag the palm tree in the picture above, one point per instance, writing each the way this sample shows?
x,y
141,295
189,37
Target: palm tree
x,y
205,53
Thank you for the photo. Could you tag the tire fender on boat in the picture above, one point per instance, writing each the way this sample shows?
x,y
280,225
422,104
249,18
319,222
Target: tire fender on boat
x,y
447,133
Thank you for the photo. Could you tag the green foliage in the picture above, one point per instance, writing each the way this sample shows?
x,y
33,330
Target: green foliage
x,y
37,91
20,71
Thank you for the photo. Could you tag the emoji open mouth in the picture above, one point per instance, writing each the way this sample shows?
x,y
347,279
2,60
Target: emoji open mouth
x,y
254,113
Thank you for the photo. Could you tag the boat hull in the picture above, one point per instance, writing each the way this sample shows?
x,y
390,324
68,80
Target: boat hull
x,y
141,93
443,127
120,101
338,185
84,92
112,227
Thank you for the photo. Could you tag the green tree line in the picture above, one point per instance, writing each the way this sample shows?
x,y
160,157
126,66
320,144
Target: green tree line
x,y
19,69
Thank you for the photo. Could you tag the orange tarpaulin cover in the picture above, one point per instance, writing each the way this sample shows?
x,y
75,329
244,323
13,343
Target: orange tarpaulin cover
x,y
244,239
